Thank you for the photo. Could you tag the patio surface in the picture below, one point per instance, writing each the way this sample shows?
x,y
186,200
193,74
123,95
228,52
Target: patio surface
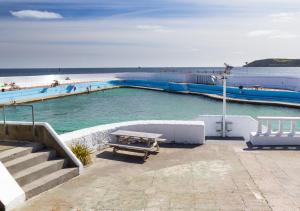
x,y
220,175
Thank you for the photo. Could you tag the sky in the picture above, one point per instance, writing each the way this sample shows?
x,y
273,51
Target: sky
x,y
146,33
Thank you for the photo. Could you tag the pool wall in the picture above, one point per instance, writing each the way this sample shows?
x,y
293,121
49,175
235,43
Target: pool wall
x,y
184,132
34,94
270,81
232,92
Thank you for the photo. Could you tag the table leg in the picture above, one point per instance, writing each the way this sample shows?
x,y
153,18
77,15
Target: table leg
x,y
157,147
118,139
146,156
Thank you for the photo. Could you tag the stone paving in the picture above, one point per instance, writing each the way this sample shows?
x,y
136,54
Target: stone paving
x,y
220,175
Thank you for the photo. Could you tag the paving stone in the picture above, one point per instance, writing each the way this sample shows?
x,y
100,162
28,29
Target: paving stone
x,y
219,175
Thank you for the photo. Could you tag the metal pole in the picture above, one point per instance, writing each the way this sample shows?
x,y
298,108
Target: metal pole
x,y
224,107
4,120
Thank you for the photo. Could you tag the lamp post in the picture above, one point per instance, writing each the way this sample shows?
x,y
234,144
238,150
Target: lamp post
x,y
224,77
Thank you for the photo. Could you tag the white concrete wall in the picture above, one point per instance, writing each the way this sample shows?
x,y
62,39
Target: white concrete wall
x,y
11,194
242,126
187,132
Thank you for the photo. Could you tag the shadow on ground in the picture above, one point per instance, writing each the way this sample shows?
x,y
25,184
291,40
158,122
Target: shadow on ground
x,y
179,146
272,148
120,156
137,158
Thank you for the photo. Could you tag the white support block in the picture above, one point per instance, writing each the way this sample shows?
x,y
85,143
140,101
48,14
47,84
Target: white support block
x,y
11,194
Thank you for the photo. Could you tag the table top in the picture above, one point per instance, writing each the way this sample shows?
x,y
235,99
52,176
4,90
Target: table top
x,y
136,134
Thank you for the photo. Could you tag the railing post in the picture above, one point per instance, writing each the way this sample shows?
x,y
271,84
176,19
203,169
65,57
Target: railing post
x,y
293,128
32,115
269,130
4,121
259,127
280,127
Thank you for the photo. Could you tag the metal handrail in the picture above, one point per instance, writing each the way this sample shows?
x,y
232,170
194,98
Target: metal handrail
x,y
24,105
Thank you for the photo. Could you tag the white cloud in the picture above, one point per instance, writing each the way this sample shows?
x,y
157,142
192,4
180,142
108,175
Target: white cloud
x,y
195,41
283,17
272,34
36,14
260,33
155,28
283,35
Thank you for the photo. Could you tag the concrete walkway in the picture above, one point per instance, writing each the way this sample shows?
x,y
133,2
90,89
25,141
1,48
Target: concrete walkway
x,y
220,175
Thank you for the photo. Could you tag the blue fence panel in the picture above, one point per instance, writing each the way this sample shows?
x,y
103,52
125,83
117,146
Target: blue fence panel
x,y
177,87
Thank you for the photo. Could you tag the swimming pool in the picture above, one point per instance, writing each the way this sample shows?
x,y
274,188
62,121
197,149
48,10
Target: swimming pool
x,y
124,104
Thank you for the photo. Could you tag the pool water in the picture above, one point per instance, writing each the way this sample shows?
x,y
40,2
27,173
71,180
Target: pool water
x,y
124,104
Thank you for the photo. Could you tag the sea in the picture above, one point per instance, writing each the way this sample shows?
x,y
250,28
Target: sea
x,y
249,71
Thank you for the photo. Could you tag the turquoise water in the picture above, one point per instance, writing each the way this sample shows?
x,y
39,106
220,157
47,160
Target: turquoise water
x,y
125,104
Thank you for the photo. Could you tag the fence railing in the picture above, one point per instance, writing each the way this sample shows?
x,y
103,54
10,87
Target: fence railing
x,y
281,130
25,105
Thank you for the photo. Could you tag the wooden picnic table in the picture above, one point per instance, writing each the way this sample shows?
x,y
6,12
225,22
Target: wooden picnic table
x,y
136,141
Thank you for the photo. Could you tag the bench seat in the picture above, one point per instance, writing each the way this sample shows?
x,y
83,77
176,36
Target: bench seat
x,y
133,147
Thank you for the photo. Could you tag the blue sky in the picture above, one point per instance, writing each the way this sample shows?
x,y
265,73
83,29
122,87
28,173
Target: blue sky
x,y
109,8
113,33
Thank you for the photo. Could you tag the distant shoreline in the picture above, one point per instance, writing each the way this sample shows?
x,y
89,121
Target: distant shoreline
x,y
274,63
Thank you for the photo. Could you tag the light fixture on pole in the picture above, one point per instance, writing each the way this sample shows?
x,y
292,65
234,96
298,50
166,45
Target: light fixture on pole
x,y
224,77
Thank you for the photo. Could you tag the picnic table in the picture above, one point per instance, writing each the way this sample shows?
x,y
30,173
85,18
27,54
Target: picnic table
x,y
136,142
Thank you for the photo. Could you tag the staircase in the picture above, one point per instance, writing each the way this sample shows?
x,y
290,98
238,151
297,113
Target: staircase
x,y
35,167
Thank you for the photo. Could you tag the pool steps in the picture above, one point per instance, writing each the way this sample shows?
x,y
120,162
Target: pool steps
x,y
36,168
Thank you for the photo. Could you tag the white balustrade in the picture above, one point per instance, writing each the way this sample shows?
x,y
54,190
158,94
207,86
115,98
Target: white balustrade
x,y
265,135
280,120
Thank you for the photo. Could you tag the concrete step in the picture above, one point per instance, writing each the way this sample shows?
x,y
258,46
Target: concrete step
x,y
35,172
19,151
27,161
47,182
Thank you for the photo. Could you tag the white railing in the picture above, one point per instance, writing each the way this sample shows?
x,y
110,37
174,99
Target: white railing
x,y
270,121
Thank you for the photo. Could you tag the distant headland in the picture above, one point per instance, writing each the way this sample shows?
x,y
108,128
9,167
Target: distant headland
x,y
274,63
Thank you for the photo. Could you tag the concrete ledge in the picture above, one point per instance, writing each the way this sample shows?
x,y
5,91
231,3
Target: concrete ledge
x,y
274,140
186,132
11,194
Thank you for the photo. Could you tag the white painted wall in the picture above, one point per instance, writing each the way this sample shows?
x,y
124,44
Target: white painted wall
x,y
11,194
187,132
242,126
